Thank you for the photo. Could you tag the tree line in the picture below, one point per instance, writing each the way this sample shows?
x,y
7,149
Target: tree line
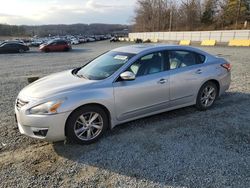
x,y
73,29
11,30
191,15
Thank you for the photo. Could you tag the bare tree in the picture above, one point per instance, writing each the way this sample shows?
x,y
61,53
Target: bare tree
x,y
167,15
153,15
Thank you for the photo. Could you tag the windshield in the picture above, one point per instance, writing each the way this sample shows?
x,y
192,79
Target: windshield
x,y
104,66
49,42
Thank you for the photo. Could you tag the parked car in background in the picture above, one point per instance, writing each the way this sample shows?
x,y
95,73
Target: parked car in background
x,y
13,41
36,43
82,40
18,41
57,45
121,85
13,47
90,39
74,41
114,39
138,40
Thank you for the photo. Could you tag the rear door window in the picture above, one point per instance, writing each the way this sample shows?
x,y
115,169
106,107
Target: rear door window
x,y
61,42
10,46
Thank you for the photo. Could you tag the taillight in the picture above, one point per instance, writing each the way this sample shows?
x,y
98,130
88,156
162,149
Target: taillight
x,y
227,66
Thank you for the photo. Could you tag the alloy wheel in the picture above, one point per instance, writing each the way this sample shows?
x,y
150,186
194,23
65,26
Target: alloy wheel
x,y
88,126
208,96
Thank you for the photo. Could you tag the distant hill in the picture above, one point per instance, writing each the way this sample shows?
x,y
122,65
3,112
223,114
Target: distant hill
x,y
61,29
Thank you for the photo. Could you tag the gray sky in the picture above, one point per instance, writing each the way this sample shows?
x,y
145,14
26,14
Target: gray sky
x,y
37,12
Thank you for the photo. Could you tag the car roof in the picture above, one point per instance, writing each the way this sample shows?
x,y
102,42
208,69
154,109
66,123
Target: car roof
x,y
16,43
56,40
138,48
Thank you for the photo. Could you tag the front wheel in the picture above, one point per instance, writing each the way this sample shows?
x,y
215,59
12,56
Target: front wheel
x,y
206,96
47,50
86,124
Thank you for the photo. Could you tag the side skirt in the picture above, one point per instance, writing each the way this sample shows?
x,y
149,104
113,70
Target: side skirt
x,y
116,122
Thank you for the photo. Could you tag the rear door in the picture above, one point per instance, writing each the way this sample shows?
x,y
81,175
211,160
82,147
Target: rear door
x,y
8,48
61,45
53,46
186,73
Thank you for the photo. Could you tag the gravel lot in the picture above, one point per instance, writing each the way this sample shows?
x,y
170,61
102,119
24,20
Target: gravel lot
x,y
181,148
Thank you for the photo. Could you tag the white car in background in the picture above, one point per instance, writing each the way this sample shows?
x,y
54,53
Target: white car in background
x,y
74,41
90,39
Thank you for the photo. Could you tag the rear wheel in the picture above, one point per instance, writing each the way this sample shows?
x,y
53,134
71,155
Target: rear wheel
x,y
86,124
206,96
21,50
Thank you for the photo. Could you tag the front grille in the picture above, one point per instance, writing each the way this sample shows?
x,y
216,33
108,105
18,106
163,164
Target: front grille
x,y
20,103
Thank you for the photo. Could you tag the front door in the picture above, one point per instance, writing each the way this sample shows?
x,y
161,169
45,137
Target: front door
x,y
148,93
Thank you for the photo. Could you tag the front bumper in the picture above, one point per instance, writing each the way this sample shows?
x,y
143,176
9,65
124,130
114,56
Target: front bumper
x,y
46,127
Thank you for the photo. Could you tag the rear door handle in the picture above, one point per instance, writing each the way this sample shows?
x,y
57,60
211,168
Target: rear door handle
x,y
199,71
162,81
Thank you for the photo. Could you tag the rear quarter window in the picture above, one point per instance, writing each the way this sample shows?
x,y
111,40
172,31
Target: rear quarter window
x,y
184,58
200,58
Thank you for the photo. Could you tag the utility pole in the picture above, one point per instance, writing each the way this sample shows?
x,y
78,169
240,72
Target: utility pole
x,y
170,20
238,14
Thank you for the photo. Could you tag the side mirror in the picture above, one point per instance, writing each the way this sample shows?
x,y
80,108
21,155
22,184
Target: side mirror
x,y
127,75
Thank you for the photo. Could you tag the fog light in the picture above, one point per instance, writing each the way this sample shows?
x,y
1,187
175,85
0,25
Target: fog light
x,y
40,131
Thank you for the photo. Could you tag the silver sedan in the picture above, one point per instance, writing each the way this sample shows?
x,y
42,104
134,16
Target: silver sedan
x,y
121,85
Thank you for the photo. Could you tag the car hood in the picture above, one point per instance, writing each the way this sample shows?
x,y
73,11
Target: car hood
x,y
42,45
54,84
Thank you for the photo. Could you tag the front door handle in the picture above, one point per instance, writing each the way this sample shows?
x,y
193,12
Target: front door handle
x,y
162,81
199,71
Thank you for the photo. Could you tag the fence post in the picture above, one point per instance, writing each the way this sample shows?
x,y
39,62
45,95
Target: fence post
x,y
221,36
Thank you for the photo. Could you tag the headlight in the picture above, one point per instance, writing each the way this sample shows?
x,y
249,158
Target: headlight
x,y
46,108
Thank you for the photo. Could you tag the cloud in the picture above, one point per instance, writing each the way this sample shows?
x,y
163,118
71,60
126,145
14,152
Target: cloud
x,y
66,12
94,6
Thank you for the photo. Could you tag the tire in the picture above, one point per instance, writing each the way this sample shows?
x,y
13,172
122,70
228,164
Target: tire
x,y
206,96
66,49
77,130
21,50
47,50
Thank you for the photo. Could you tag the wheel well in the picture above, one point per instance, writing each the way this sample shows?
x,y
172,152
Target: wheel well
x,y
217,85
92,104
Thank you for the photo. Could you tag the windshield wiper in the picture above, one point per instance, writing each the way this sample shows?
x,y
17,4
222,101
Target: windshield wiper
x,y
75,71
82,76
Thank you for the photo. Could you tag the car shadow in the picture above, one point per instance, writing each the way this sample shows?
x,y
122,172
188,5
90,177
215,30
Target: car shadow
x,y
162,148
